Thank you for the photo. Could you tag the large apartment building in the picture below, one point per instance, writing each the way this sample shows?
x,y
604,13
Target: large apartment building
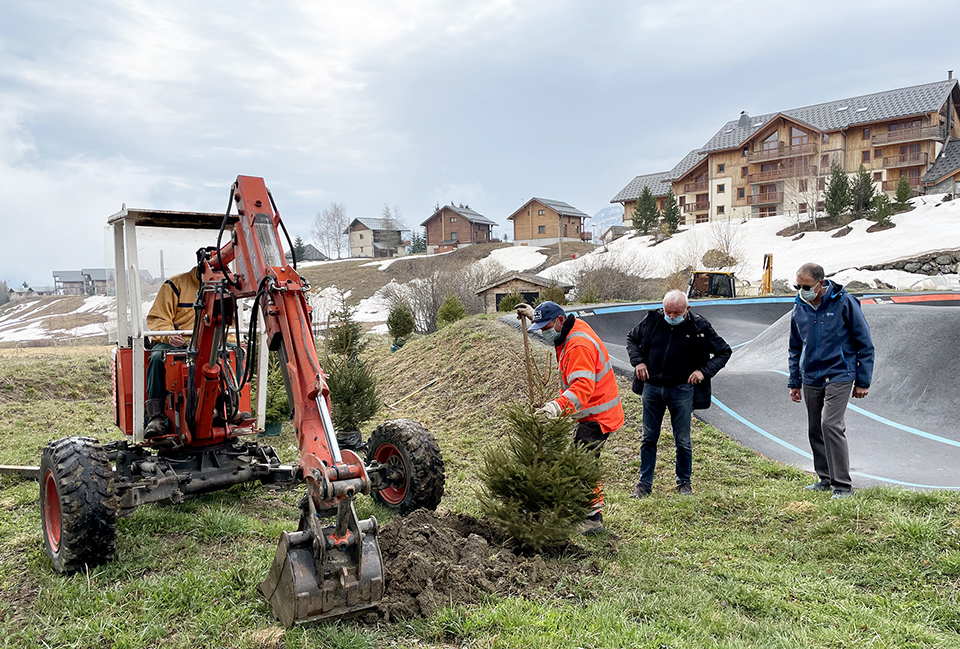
x,y
779,163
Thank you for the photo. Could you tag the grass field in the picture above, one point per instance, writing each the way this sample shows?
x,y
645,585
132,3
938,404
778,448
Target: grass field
x,y
751,560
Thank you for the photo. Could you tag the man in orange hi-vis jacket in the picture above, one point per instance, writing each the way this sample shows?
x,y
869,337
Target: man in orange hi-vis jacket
x,y
590,392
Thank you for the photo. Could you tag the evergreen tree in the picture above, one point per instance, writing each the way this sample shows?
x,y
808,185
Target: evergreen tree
x,y
552,293
353,394
903,193
299,249
277,407
345,338
671,213
861,193
509,301
400,322
418,242
537,484
451,310
837,200
645,213
882,209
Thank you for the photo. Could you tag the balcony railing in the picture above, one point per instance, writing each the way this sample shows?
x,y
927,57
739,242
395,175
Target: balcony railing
x,y
765,198
780,174
586,236
891,185
782,151
906,160
691,188
936,132
699,206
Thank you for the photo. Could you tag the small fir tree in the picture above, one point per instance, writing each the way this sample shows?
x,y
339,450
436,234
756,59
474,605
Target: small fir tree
x,y
903,194
353,393
882,209
277,408
837,199
400,322
671,213
418,242
345,338
299,249
645,213
509,302
861,193
552,293
451,310
537,484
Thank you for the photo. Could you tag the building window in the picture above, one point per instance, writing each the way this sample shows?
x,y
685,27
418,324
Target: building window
x,y
453,235
720,188
797,137
877,176
721,168
767,210
720,209
802,185
866,156
866,134
702,218
453,219
743,172
740,192
541,229
802,208
576,229
877,153
361,235
826,138
746,150
822,184
541,212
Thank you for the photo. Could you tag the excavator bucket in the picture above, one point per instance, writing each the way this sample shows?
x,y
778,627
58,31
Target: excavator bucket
x,y
320,574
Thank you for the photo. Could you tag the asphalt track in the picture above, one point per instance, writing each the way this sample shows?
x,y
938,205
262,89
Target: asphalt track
x,y
904,433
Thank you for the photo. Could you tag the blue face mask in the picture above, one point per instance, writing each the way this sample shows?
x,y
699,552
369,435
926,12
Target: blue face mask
x,y
673,322
808,295
550,335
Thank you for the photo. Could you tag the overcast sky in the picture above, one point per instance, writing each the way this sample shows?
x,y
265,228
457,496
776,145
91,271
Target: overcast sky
x,y
412,103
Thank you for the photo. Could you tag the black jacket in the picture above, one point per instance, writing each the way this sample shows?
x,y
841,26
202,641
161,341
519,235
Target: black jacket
x,y
672,353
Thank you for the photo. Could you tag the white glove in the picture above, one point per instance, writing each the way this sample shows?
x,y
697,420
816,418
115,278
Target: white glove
x,y
550,410
524,310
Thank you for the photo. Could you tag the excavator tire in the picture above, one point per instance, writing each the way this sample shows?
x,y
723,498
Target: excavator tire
x,y
78,504
410,448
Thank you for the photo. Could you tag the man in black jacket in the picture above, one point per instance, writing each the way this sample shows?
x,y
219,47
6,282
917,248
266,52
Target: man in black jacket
x,y
673,351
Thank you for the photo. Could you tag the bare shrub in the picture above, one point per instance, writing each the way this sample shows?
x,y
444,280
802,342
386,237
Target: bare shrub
x,y
602,278
728,241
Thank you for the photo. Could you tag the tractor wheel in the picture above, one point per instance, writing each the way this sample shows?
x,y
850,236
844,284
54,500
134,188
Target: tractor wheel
x,y
409,448
78,504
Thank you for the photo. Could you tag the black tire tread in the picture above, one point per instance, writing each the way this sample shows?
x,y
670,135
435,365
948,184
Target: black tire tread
x,y
426,484
88,503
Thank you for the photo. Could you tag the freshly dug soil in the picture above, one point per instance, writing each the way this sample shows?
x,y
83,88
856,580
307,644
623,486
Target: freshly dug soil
x,y
432,559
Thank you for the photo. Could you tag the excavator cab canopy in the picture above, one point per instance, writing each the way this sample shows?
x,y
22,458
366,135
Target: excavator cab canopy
x,y
712,284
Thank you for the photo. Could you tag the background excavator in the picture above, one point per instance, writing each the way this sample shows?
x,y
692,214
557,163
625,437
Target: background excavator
x,y
331,565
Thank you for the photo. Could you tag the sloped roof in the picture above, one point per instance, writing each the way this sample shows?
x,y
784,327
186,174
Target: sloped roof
x,y
465,212
946,164
689,161
527,277
373,224
561,208
97,274
68,276
658,183
843,113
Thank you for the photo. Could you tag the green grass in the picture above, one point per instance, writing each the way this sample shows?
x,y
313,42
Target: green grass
x,y
751,560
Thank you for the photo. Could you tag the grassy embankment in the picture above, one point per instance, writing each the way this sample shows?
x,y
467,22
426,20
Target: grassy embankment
x,y
750,560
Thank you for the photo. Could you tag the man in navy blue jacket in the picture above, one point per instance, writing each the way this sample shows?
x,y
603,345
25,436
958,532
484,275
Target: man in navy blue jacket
x,y
830,352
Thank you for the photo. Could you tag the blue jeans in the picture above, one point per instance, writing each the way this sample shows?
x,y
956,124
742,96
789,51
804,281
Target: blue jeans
x,y
679,401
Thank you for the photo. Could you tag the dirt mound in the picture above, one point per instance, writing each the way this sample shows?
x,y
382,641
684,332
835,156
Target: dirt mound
x,y
431,560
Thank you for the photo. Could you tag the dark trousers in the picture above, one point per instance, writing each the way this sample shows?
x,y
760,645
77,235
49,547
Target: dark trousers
x,y
156,374
656,401
826,406
590,434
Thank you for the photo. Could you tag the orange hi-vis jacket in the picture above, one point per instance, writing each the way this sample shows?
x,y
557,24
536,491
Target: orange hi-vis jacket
x,y
587,379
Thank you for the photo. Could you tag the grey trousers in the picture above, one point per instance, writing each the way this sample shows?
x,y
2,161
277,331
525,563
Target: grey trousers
x,y
826,406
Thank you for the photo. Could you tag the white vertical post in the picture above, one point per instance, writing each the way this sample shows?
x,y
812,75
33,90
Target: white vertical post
x,y
120,278
263,357
136,326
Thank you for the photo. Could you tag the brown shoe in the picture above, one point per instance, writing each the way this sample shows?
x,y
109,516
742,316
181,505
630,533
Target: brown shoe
x,y
684,489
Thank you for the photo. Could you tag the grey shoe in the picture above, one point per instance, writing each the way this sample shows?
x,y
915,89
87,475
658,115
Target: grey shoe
x,y
592,525
641,491
841,493
818,486
684,489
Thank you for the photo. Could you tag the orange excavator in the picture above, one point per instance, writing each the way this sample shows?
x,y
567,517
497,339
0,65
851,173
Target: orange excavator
x,y
331,565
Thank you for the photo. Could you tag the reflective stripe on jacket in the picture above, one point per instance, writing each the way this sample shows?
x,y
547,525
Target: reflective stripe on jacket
x,y
589,387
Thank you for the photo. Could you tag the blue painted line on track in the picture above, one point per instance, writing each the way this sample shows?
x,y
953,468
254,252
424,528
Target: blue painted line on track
x,y
741,344
803,453
893,424
628,308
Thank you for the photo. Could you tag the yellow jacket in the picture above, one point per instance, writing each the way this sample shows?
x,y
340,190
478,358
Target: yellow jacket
x,y
173,306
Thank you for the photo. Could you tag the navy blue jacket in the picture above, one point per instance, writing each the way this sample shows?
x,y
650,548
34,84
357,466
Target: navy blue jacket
x,y
830,343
